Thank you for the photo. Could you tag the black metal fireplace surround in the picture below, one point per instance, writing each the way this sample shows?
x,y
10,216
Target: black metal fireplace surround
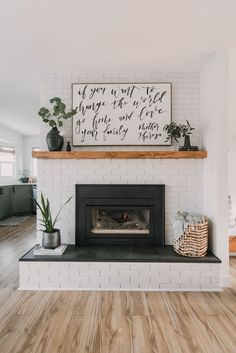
x,y
120,214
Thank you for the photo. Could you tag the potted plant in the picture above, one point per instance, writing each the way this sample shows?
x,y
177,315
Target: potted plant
x,y
24,176
179,130
54,118
51,235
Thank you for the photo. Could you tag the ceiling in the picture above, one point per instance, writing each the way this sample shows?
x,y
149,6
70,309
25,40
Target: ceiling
x,y
103,37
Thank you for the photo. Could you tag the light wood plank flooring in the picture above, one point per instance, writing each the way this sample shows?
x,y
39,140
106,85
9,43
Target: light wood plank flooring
x,y
108,322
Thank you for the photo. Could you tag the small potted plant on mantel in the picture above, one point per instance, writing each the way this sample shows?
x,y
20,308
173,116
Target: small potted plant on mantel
x,y
54,118
51,235
180,130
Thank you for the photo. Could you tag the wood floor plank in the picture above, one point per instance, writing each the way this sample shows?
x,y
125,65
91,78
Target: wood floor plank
x,y
82,336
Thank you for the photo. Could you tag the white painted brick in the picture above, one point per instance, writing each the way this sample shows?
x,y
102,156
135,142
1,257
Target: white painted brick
x,y
148,273
170,286
200,280
51,272
59,265
88,273
64,271
157,279
209,273
209,286
69,286
160,266
64,280
138,279
50,285
215,280
33,285
189,286
73,272
113,285
139,266
23,266
169,273
38,264
23,280
99,265
110,273
33,272
120,279
127,286
200,267
180,266
119,266
103,280
149,286
128,273
79,265
215,267
84,278
180,280
33,281
189,273
89,285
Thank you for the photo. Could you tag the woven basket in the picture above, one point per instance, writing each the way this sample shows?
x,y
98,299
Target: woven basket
x,y
194,241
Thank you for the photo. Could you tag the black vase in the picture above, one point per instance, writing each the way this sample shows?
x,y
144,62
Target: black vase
x,y
187,141
54,140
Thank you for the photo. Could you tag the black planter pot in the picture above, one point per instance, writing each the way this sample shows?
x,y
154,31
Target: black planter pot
x,y
187,141
54,140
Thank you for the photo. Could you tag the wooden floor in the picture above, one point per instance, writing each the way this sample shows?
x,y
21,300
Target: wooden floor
x,y
108,322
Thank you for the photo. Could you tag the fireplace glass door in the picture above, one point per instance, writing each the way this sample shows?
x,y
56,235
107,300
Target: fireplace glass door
x,y
119,220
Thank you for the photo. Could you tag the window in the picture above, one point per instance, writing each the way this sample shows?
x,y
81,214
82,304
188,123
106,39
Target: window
x,y
7,161
34,162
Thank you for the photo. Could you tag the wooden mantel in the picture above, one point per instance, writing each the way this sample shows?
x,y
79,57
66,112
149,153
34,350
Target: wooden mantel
x,y
120,155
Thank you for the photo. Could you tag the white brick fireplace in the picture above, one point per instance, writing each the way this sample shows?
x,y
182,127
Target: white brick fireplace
x,y
183,179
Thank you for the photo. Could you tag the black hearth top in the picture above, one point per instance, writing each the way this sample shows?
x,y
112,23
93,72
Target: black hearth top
x,y
120,254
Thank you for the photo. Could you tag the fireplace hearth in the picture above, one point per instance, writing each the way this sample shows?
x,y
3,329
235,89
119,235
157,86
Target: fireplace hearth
x,y
120,214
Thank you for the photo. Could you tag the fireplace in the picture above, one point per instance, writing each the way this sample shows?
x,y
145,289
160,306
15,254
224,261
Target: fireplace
x,y
120,214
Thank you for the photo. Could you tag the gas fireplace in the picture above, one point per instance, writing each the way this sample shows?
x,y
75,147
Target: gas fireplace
x,y
120,214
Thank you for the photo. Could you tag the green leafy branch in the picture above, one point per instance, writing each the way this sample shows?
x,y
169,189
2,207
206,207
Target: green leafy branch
x,y
55,116
178,130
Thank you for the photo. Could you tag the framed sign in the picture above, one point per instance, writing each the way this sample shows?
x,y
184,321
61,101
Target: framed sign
x,y
121,114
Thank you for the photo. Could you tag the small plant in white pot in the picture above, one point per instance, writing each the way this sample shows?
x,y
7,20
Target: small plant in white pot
x,y
51,235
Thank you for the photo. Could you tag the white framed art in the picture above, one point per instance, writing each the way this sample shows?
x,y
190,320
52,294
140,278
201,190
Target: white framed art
x,y
115,114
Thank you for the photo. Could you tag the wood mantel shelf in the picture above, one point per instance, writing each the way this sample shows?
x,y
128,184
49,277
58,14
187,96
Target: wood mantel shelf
x,y
120,155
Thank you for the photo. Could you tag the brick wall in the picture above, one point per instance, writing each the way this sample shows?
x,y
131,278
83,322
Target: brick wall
x,y
119,276
183,178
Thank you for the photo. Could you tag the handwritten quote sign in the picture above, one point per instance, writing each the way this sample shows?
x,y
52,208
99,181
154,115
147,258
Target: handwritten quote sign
x,y
121,114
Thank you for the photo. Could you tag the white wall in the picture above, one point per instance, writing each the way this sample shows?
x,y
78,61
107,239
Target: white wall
x,y
232,128
29,143
12,138
214,125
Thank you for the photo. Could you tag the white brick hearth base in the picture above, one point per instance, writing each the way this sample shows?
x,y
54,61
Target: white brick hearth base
x,y
41,275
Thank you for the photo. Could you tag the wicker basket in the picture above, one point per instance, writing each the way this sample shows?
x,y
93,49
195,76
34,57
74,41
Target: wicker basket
x,y
194,241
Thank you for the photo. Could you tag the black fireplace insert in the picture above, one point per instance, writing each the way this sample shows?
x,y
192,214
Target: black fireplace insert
x,y
120,214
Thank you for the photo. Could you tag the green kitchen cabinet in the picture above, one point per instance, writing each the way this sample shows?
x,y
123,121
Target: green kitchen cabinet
x,y
21,199
5,202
